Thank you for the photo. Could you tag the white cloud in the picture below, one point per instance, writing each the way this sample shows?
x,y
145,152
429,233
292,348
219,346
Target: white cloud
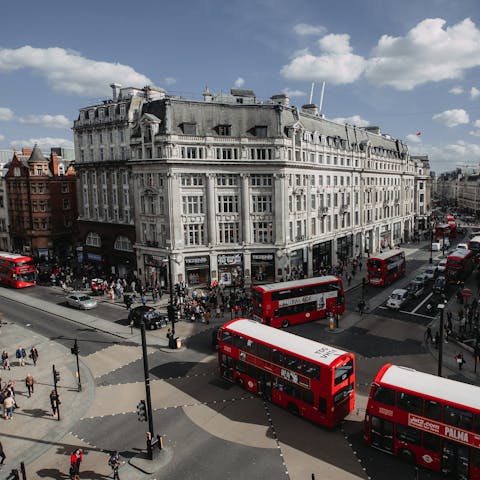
x,y
49,121
476,132
5,114
2,137
428,53
414,138
474,93
452,118
337,65
356,120
457,90
44,143
69,72
239,82
444,157
306,29
169,80
293,93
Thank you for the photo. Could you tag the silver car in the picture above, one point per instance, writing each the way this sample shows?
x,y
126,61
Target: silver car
x,y
81,301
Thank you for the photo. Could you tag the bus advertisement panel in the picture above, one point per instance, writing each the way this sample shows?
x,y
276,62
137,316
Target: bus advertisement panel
x,y
386,267
298,301
428,420
459,265
310,379
17,271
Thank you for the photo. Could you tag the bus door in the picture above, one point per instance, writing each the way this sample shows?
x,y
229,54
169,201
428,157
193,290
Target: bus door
x,y
264,385
381,434
226,367
455,461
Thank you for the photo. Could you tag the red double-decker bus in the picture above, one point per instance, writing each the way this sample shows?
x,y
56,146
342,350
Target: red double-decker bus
x,y
17,271
428,420
386,267
298,301
474,246
442,231
310,379
459,265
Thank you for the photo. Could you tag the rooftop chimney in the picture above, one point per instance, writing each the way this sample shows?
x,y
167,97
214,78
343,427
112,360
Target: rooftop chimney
x,y
114,87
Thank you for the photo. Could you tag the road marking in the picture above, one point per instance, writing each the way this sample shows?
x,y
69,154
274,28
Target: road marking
x,y
408,313
421,303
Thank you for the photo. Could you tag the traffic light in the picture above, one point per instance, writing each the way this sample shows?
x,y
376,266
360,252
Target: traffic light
x,y
14,475
142,411
75,350
56,376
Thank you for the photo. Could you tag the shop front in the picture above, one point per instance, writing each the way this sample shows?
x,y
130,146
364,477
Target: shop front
x,y
156,270
263,268
230,269
322,257
344,248
385,235
397,233
197,271
298,264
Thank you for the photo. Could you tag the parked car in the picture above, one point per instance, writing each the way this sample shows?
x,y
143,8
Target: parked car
x,y
81,301
397,298
441,265
440,285
152,318
430,272
415,288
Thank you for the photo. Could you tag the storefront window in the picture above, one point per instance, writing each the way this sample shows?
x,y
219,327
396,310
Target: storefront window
x,y
263,268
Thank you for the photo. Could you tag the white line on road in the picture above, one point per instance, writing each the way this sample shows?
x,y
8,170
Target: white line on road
x,y
421,303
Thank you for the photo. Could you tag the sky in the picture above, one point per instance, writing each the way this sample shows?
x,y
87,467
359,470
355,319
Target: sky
x,y
411,67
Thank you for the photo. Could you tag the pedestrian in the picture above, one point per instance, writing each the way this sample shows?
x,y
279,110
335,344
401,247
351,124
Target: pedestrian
x,y
349,279
428,335
8,406
5,360
54,402
29,383
460,360
34,355
20,355
361,306
144,299
2,454
208,315
114,463
75,459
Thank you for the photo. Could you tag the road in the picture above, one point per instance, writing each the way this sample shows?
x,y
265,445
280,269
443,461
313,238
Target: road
x,y
217,430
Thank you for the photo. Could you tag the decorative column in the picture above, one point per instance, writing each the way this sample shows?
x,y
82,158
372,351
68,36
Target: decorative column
x,y
245,193
174,212
211,210
280,209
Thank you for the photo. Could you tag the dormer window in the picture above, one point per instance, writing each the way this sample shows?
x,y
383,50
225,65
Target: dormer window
x,y
189,128
39,171
260,131
224,130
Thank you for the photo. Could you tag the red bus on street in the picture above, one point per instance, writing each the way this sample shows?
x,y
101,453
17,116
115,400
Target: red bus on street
x,y
459,265
308,378
442,231
474,246
428,420
298,301
386,267
17,271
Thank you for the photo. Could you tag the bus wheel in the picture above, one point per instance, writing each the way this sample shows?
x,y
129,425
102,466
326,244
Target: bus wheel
x,y
407,456
293,409
285,324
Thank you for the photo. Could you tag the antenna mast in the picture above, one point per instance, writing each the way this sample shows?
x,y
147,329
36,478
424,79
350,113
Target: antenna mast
x,y
321,98
311,92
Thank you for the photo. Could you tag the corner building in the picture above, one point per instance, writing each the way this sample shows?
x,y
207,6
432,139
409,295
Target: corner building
x,y
233,189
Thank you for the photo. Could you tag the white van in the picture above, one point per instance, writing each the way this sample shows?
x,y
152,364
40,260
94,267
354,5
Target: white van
x,y
397,298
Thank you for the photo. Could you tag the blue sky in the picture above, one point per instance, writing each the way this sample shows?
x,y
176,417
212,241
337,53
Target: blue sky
x,y
410,66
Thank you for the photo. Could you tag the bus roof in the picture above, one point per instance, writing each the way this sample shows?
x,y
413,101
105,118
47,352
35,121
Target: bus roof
x,y
385,255
475,239
12,256
461,253
442,225
431,385
317,352
270,287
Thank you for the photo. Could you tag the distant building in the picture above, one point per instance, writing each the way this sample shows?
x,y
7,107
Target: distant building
x,y
42,203
4,234
233,189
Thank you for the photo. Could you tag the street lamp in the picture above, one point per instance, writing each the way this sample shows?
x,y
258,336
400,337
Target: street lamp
x,y
171,307
441,307
431,241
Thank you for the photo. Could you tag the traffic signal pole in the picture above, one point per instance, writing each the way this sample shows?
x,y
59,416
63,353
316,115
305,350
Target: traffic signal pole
x,y
56,378
147,391
75,352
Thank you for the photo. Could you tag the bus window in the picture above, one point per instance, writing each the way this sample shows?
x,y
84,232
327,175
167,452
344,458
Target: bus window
x,y
226,336
289,389
408,434
307,397
292,362
343,372
457,417
476,425
322,405
410,403
277,357
251,347
431,442
263,351
433,410
239,342
384,395
311,370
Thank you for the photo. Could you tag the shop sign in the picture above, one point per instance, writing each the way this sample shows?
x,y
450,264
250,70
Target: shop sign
x,y
233,259
262,257
154,260
196,261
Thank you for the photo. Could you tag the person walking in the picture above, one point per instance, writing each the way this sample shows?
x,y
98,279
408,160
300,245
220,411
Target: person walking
x,y
54,402
2,454
428,335
114,463
8,406
5,360
460,360
29,382
75,459
34,355
20,355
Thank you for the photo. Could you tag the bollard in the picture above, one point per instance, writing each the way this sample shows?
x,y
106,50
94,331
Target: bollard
x,y
331,323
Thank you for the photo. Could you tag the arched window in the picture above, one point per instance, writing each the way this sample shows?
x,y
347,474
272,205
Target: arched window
x,y
93,240
124,244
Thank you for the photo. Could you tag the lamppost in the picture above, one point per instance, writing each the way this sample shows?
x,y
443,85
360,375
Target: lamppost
x,y
441,307
171,307
431,241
